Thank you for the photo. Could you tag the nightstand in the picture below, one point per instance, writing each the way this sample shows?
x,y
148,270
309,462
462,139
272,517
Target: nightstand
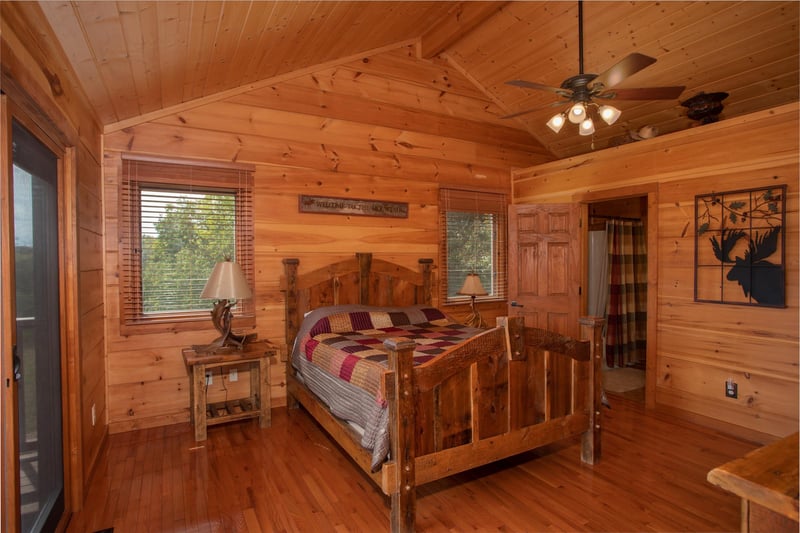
x,y
258,356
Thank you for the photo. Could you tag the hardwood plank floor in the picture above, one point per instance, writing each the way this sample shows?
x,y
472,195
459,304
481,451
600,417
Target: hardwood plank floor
x,y
292,477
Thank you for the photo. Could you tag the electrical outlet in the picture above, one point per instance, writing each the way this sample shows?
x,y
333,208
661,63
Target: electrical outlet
x,y
94,416
731,389
209,377
233,375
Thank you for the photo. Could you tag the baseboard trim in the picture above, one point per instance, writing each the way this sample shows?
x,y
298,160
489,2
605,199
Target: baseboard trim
x,y
713,424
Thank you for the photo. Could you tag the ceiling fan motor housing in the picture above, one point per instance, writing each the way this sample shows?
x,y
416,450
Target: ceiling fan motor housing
x,y
579,85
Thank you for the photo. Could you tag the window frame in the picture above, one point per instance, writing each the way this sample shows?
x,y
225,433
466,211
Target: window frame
x,y
479,202
139,173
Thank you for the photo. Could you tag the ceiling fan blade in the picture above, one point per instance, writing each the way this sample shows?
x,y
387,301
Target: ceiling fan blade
x,y
531,110
645,93
628,66
519,113
539,86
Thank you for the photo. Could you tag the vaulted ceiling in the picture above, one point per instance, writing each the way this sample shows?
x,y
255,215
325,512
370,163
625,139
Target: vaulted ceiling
x,y
135,60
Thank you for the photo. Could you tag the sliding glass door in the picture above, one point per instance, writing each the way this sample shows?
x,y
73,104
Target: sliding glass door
x,y
37,357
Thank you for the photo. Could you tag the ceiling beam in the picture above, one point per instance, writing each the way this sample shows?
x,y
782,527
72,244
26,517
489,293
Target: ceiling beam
x,y
459,21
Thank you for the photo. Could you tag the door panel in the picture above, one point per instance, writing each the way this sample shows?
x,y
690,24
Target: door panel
x,y
40,459
544,265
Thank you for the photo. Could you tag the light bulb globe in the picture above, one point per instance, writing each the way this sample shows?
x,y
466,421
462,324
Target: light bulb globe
x,y
556,122
586,127
609,114
577,113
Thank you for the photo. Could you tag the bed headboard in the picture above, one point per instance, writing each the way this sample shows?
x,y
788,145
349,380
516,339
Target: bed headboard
x,y
360,280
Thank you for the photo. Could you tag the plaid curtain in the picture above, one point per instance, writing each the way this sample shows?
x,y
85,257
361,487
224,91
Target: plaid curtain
x,y
626,338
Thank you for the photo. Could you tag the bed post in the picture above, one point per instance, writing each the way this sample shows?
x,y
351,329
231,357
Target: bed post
x,y
364,268
425,266
592,330
292,320
290,274
401,428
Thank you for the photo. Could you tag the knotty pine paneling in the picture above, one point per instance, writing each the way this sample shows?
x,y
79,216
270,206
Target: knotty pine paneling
x,y
767,403
700,345
403,64
152,138
363,130
91,308
137,59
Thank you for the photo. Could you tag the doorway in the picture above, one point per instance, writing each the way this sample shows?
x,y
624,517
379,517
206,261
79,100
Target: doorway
x,y
37,352
617,281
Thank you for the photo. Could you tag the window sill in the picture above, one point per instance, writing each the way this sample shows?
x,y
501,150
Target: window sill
x,y
174,325
467,301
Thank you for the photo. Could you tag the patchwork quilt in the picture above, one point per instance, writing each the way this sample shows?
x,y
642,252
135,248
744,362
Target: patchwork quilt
x,y
349,344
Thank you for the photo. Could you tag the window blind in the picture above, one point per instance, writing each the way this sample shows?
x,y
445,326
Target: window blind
x,y
177,221
473,239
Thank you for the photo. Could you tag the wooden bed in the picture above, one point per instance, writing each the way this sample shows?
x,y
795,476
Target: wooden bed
x,y
506,391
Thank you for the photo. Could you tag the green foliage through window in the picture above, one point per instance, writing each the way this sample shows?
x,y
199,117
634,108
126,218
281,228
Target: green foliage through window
x,y
470,248
183,236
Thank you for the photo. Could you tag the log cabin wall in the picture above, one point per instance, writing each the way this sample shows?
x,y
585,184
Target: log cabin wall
x,y
34,78
384,127
700,345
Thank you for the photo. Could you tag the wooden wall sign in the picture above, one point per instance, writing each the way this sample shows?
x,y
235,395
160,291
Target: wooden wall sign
x,y
352,206
740,247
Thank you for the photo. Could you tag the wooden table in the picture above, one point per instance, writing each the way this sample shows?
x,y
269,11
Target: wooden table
x,y
766,480
257,355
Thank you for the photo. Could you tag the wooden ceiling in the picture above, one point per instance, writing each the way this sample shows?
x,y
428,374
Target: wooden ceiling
x,y
136,60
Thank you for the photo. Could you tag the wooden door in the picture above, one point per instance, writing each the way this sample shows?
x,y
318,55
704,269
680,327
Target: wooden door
x,y
544,266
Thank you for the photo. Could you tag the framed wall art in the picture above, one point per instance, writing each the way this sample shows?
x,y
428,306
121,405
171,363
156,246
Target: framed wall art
x,y
740,247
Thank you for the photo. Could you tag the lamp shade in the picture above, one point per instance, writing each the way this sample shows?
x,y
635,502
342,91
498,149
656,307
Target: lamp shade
x,y
472,286
227,282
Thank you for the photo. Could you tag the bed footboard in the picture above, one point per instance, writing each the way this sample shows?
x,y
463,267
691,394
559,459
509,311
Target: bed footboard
x,y
505,391
509,390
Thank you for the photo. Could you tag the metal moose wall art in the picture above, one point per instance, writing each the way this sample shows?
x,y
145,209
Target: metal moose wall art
x,y
740,247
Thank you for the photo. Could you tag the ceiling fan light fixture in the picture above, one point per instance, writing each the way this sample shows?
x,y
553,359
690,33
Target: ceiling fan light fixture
x,y
577,113
586,127
581,90
556,122
609,114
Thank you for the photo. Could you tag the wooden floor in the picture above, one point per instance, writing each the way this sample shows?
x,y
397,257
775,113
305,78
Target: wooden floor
x,y
291,477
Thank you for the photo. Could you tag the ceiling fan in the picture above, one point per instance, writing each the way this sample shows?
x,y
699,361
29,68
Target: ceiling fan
x,y
582,89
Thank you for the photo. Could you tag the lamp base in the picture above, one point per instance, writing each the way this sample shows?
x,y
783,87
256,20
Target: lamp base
x,y
228,341
474,320
234,343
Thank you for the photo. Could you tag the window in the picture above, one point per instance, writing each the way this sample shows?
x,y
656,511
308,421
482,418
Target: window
x,y
473,239
177,222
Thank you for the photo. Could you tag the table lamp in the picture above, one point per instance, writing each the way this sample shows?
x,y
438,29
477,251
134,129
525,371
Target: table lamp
x,y
472,287
226,285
